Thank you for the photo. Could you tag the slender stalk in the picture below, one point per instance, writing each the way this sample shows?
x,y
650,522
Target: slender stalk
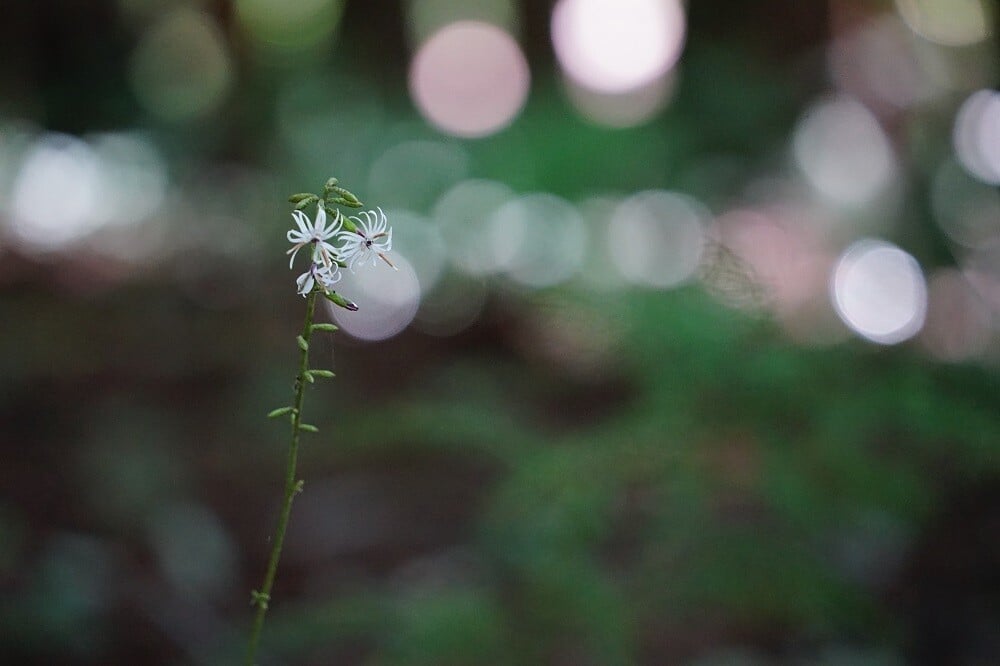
x,y
292,487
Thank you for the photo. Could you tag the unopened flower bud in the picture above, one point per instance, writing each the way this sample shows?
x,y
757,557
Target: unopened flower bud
x,y
339,300
307,201
348,195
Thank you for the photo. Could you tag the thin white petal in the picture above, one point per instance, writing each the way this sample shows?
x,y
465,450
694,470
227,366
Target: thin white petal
x,y
333,228
320,225
294,251
305,226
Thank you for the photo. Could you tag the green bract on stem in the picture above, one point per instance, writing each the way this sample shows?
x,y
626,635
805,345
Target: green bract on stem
x,y
345,243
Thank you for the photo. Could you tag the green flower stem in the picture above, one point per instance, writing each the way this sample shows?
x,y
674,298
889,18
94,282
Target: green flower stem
x,y
263,596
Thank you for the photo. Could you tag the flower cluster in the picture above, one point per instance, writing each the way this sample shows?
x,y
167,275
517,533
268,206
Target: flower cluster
x,y
345,243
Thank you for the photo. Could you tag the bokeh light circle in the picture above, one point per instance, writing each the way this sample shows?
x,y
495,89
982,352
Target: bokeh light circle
x,y
879,291
111,180
182,69
656,238
843,152
63,164
413,174
470,79
977,135
133,176
538,239
616,45
387,299
463,214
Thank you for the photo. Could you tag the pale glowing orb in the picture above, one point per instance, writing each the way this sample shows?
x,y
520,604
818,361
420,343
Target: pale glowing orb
x,y
656,238
616,45
387,299
116,179
947,22
844,153
977,135
538,239
879,292
56,195
133,177
470,79
463,214
600,274
181,69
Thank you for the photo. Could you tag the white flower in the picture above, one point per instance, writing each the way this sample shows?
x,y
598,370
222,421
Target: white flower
x,y
316,235
372,239
326,276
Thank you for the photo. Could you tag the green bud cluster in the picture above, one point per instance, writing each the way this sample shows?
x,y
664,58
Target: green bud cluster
x,y
332,194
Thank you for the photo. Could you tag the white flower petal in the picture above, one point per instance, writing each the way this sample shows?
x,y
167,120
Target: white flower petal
x,y
305,282
295,251
302,220
320,224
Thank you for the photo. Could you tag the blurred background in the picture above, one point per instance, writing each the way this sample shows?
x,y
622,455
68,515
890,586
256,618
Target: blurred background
x,y
692,356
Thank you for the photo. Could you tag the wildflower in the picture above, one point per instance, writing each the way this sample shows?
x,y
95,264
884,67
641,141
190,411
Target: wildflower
x,y
315,234
326,276
373,238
